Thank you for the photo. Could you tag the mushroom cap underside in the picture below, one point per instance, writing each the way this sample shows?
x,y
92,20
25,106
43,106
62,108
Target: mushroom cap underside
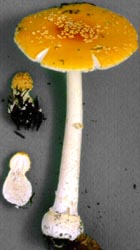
x,y
78,36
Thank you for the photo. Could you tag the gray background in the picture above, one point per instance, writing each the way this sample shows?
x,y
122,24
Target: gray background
x,y
109,201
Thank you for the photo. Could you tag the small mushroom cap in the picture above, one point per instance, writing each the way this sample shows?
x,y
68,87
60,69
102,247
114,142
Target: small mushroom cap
x,y
22,81
78,36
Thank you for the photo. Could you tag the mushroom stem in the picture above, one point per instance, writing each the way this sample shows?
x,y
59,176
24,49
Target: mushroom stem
x,y
67,193
62,220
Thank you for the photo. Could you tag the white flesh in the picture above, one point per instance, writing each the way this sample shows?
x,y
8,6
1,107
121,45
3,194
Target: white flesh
x,y
16,188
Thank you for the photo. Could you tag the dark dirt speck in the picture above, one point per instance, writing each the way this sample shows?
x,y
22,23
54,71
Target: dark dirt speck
x,y
134,186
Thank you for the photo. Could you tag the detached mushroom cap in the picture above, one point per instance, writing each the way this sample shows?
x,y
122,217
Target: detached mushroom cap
x,y
79,36
22,81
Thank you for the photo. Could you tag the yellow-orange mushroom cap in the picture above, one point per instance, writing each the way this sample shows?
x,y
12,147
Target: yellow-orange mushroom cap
x,y
78,36
22,81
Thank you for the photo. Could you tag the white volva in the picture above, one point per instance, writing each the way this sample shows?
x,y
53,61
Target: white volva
x,y
16,188
62,220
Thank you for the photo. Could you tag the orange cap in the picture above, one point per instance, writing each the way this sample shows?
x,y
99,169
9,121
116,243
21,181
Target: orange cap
x,y
78,36
22,81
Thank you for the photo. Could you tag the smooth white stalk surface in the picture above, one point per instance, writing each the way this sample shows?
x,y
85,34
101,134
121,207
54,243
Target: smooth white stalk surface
x,y
62,220
66,200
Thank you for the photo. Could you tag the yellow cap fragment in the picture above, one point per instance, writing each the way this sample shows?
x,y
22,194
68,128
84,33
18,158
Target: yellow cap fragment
x,y
22,81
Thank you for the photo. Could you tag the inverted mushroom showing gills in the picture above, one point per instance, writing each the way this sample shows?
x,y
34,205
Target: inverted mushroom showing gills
x,y
73,38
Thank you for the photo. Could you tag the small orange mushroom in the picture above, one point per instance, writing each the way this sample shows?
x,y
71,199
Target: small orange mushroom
x,y
73,38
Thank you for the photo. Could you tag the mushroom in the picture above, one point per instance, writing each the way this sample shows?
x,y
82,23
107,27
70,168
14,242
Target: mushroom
x,y
23,109
73,38
17,189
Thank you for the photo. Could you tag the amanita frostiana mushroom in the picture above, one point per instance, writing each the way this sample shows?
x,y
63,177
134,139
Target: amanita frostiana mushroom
x,y
17,189
73,38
